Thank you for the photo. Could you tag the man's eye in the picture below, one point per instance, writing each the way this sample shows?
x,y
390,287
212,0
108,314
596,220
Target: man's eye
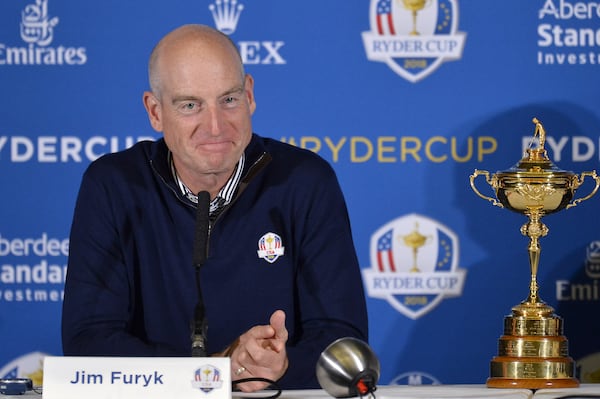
x,y
188,107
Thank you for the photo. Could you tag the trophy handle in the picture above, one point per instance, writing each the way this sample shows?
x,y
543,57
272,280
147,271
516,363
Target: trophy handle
x,y
489,181
580,181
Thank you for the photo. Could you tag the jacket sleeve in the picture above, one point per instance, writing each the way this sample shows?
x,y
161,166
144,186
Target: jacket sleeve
x,y
331,297
96,317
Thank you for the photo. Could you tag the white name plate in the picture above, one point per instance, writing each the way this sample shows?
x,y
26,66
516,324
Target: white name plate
x,y
67,377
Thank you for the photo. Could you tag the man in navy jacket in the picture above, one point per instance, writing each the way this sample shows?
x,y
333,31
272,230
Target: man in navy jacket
x,y
281,280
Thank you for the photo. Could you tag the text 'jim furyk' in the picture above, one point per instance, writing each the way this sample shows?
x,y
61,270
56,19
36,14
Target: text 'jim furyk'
x,y
117,377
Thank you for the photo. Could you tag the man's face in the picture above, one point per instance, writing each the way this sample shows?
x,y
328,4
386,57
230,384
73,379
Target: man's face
x,y
204,110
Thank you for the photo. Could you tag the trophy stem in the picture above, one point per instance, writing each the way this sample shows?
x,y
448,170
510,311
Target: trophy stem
x,y
414,18
534,259
415,268
534,229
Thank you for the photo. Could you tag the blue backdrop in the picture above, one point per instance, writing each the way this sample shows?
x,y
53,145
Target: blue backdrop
x,y
404,120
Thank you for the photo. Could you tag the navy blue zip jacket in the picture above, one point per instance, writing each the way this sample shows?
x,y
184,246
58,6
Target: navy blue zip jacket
x,y
130,288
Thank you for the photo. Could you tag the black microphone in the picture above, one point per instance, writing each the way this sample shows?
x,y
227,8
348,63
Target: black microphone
x,y
348,367
200,253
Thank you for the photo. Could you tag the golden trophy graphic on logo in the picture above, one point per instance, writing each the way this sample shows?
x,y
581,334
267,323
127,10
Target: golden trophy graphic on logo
x,y
415,6
414,241
533,352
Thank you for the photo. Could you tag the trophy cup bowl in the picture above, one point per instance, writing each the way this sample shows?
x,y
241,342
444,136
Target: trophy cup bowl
x,y
414,5
533,352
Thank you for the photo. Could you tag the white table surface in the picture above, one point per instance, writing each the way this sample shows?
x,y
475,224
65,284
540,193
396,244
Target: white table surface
x,y
414,392
584,389
422,392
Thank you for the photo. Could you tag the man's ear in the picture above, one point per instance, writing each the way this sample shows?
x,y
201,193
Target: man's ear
x,y
249,89
154,110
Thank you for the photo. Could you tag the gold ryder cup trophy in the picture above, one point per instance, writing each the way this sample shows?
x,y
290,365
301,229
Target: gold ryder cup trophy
x,y
414,241
533,352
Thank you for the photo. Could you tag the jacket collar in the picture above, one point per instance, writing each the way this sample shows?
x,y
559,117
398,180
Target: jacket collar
x,y
257,157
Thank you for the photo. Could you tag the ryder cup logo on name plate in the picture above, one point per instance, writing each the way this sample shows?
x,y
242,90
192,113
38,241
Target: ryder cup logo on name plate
x,y
414,265
207,378
270,247
413,37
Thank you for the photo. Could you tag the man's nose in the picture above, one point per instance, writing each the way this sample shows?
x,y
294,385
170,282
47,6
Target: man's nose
x,y
216,121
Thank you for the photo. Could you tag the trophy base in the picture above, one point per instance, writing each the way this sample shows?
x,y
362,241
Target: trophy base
x,y
532,352
532,373
531,383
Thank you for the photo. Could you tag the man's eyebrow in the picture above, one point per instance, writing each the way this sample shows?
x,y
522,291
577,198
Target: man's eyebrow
x,y
234,90
178,99
184,97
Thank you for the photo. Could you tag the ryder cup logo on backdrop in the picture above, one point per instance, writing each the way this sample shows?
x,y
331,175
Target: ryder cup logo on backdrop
x,y
37,30
414,265
29,365
226,15
414,37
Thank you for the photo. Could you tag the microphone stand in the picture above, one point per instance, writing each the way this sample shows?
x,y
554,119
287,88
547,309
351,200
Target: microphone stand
x,y
199,325
200,253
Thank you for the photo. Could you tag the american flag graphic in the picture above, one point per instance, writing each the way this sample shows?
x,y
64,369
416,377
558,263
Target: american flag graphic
x,y
216,375
269,243
385,21
385,254
207,374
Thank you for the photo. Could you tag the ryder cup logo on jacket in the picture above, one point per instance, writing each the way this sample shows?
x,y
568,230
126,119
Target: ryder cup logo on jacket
x,y
270,247
413,37
414,265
